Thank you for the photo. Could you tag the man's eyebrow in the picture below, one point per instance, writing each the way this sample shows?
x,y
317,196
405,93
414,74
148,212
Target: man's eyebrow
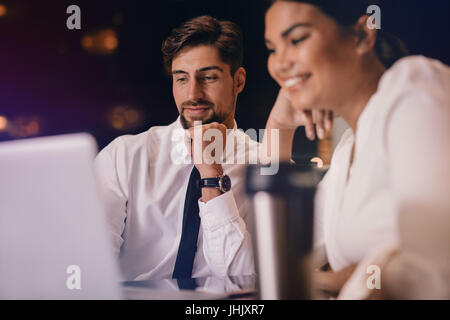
x,y
210,68
286,32
178,72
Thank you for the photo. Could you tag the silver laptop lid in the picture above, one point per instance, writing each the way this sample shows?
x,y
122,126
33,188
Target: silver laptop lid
x,y
53,237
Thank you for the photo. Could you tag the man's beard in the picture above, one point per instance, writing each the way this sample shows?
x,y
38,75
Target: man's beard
x,y
213,118
201,102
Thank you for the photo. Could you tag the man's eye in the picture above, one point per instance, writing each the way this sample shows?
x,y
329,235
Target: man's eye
x,y
181,80
210,78
297,41
270,51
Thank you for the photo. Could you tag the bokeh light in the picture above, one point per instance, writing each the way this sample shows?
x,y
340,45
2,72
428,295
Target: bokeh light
x,y
87,42
101,42
3,123
110,41
23,127
3,10
123,117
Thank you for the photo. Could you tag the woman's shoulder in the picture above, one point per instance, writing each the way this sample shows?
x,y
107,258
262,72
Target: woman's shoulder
x,y
414,84
414,73
413,102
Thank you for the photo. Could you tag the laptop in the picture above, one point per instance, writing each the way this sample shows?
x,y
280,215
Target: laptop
x,y
54,242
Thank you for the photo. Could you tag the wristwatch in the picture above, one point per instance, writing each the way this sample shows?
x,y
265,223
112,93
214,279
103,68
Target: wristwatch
x,y
222,183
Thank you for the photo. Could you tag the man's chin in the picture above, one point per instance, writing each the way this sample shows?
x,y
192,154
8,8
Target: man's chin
x,y
188,122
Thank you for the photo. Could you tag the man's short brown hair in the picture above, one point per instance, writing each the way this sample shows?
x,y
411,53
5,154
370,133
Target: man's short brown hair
x,y
226,36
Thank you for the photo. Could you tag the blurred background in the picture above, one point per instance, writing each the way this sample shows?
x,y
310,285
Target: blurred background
x,y
107,78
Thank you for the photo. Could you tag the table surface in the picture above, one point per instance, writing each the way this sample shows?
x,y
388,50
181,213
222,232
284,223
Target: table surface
x,y
206,288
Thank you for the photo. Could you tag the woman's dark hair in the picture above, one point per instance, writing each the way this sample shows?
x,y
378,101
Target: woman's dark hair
x,y
226,36
346,13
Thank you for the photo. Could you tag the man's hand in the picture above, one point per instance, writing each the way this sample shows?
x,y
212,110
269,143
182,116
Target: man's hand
x,y
209,162
285,116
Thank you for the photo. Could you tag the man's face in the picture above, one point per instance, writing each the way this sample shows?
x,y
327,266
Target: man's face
x,y
203,87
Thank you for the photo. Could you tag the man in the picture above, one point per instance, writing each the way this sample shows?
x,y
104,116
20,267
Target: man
x,y
159,225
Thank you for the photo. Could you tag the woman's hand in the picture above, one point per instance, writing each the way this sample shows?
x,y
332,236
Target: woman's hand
x,y
285,116
330,281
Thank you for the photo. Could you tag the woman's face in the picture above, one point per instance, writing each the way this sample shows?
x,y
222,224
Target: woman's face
x,y
309,55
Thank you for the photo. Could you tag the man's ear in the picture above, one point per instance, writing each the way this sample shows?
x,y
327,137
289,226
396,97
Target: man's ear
x,y
365,36
239,79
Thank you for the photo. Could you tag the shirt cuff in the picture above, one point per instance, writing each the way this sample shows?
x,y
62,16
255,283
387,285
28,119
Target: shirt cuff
x,y
219,211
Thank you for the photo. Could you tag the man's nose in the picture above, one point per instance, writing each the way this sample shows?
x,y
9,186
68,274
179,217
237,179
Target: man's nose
x,y
195,91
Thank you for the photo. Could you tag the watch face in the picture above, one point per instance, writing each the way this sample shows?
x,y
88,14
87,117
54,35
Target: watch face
x,y
225,184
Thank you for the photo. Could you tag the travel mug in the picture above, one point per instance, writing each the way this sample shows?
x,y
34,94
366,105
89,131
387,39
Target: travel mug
x,y
283,209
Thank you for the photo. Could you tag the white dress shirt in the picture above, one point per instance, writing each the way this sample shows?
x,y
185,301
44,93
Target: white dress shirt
x,y
143,180
401,162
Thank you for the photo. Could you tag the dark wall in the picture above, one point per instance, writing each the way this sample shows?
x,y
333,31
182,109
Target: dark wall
x,y
46,76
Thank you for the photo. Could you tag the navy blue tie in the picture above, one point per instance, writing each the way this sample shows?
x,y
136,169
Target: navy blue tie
x,y
191,226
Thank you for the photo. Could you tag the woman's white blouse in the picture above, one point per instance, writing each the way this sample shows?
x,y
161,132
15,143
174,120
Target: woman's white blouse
x,y
401,161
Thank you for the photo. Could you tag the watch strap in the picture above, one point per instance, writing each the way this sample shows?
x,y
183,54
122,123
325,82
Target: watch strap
x,y
209,182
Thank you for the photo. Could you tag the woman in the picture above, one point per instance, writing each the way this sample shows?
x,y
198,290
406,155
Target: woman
x,y
323,55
